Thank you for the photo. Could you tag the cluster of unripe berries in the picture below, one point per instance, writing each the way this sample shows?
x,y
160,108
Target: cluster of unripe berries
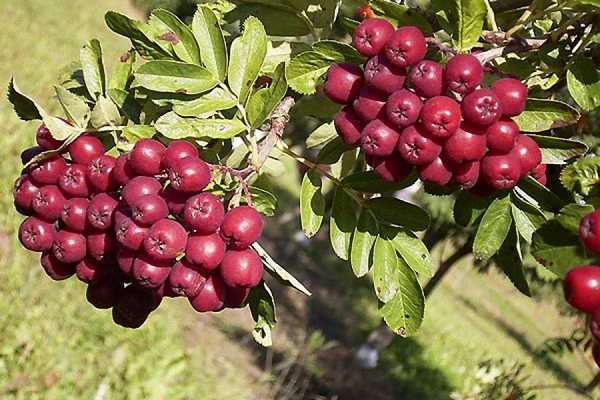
x,y
136,227
406,112
581,284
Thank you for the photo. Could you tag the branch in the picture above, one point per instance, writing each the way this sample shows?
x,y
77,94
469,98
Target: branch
x,y
515,45
279,118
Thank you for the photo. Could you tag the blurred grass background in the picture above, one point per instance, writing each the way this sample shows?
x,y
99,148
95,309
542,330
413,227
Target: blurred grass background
x,y
54,345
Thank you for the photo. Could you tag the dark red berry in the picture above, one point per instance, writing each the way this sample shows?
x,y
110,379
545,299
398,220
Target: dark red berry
x,y
392,168
539,173
481,107
48,202
190,175
502,136
440,116
403,108
24,192
512,94
382,76
241,227
74,214
101,211
370,36
466,174
145,157
416,147
89,270
102,246
175,200
138,187
150,273
379,138
581,287
148,209
203,213
85,148
241,268
47,171
205,250
44,138
463,73
348,125
55,269
467,144
211,296
438,172
589,231
176,150
369,104
343,83
165,240
528,153
235,296
36,234
73,181
185,280
29,153
426,79
134,306
69,247
130,234
105,293
122,172
100,173
406,46
125,259
500,171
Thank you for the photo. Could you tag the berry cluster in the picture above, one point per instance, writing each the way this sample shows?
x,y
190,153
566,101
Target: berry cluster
x,y
404,112
136,227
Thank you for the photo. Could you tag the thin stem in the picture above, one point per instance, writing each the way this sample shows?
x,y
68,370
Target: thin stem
x,y
289,152
491,16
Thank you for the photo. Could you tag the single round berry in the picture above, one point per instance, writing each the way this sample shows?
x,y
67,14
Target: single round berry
x,y
203,213
235,296
205,250
134,306
36,234
379,138
467,144
145,157
348,125
125,259
175,200
130,234
89,270
426,79
512,94
589,231
463,73
150,273
241,268
189,175
500,171
148,209
165,240
101,211
343,83
24,192
55,269
74,214
466,174
73,181
105,293
211,296
85,148
528,153
100,173
29,153
138,187
416,147
502,136
369,104
363,12
438,171
406,46
176,150
185,280
48,202
47,171
69,247
370,36
481,107
102,246
403,108
581,287
440,116
44,139
392,168
539,174
123,172
241,227
383,76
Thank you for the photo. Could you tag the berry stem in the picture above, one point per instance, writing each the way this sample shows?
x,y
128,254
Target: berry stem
x,y
438,44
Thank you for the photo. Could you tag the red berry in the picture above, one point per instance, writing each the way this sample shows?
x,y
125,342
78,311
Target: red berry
x,y
134,306
440,116
123,172
148,209
48,202
466,174
29,153
369,104
130,234
235,296
69,247
145,157
175,200
528,153
438,172
500,171
47,171
348,125
44,138
140,186
589,231
406,46
463,73
241,268
379,138
55,269
343,83
363,12
101,211
383,76
24,192
539,173
85,148
502,136
89,270
481,107
241,227
203,213
165,240
190,175
512,94
426,79
105,293
211,296
125,259
74,214
416,147
100,173
102,246
403,108
205,250
370,36
185,280
73,181
392,168
36,234
581,288
176,150
467,144
150,273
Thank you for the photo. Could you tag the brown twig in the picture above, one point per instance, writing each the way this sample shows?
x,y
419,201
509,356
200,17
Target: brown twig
x,y
515,45
279,118
439,45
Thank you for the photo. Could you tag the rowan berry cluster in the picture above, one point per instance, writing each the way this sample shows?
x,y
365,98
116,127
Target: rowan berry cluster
x,y
406,112
136,227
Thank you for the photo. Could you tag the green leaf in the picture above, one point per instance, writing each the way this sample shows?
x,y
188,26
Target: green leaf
x,y
463,19
527,218
493,228
127,103
174,76
215,100
342,223
304,71
105,113
583,82
582,176
282,22
75,108
247,55
510,261
468,208
121,76
318,107
312,203
209,35
173,126
133,133
179,35
334,50
93,68
571,215
263,201
399,212
541,115
321,136
323,13
60,129
25,108
544,197
361,253
558,249
278,272
385,269
332,151
403,14
404,312
558,150
371,182
262,103
413,251
262,307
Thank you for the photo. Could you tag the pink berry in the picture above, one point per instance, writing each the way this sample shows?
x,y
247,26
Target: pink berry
x,y
348,125
189,175
370,36
406,46
463,73
205,250
343,82
440,116
241,268
382,76
379,138
512,94
145,157
85,148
